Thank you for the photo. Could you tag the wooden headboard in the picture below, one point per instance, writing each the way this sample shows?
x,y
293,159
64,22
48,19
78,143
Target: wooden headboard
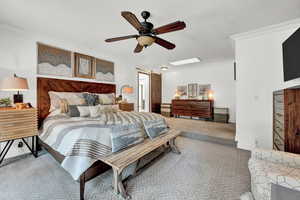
x,y
44,85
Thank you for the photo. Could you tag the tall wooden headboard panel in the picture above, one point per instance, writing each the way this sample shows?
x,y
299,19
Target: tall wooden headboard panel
x,y
44,85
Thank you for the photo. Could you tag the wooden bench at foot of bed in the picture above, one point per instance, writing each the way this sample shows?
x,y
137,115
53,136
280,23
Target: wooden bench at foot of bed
x,y
120,160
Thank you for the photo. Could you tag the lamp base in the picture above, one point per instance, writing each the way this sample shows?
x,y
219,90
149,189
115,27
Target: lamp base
x,y
18,98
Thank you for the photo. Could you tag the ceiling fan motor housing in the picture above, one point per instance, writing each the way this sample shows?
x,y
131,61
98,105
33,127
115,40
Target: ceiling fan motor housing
x,y
147,28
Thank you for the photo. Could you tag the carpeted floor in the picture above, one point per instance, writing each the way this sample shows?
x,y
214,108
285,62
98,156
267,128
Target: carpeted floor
x,y
208,128
204,171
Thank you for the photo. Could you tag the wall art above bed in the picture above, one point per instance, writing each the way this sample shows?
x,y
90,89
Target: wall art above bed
x,y
54,61
59,62
104,70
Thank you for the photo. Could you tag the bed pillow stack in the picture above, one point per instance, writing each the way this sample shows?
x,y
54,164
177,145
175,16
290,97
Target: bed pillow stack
x,y
85,104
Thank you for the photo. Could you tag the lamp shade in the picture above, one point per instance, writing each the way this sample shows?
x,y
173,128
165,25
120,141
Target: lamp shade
x,y
128,90
14,84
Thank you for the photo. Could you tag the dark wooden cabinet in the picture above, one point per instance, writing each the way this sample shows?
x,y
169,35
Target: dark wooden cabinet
x,y
193,108
286,120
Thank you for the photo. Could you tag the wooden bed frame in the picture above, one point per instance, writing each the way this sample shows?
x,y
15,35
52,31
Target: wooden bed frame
x,y
118,161
44,85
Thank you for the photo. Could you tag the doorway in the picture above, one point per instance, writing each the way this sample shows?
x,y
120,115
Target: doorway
x,y
143,92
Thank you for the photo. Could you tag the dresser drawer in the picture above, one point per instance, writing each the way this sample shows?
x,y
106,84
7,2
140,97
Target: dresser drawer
x,y
202,104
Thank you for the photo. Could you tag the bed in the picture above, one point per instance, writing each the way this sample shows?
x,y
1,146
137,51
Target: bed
x,y
80,144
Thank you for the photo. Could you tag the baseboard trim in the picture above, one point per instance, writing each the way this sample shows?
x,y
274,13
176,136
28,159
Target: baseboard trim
x,y
202,137
14,159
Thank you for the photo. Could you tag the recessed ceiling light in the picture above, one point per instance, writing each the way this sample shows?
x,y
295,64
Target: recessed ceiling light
x,y
164,68
185,61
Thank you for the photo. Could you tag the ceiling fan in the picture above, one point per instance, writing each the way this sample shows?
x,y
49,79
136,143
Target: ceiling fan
x,y
147,34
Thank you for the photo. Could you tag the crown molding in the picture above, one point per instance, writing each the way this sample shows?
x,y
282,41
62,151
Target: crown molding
x,y
292,24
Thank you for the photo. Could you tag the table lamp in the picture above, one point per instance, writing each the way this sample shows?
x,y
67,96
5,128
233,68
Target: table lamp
x,y
126,89
14,83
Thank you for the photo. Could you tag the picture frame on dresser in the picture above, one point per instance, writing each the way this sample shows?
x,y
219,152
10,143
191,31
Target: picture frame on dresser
x,y
192,90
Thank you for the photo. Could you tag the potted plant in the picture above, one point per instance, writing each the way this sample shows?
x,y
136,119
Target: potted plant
x,y
5,102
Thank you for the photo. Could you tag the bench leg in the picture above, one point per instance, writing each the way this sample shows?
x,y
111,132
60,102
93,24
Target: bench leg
x,y
118,185
82,186
173,146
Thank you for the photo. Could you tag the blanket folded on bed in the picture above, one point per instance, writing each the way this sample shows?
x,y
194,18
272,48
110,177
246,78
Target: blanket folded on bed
x,y
83,141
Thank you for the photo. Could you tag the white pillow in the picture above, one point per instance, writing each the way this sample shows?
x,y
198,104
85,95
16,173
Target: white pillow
x,y
96,111
84,111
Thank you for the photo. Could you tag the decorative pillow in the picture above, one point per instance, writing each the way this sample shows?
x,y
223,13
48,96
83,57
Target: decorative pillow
x,y
72,98
64,106
96,111
84,111
78,111
107,99
155,128
91,99
73,111
126,136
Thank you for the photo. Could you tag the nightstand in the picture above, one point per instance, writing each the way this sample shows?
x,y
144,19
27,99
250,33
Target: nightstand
x,y
18,124
126,106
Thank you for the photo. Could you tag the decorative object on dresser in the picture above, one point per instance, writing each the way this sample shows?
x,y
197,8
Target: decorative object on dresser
x,y
18,124
286,120
126,106
53,61
166,109
182,91
5,102
221,114
193,108
84,66
192,90
15,83
203,91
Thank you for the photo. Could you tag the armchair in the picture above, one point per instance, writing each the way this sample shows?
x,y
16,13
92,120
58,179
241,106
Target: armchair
x,y
269,168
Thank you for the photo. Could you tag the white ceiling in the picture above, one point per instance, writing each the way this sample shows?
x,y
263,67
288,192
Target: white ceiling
x,y
209,23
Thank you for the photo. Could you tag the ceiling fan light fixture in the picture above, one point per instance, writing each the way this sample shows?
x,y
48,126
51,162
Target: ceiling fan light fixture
x,y
145,40
164,68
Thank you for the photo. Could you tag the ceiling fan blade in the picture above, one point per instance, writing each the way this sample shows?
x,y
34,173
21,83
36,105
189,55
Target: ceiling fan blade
x,y
175,26
132,19
164,43
121,38
138,48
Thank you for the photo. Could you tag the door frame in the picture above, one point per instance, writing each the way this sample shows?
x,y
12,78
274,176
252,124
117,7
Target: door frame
x,y
138,89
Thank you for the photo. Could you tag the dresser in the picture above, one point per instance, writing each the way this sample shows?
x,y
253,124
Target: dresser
x,y
18,124
286,120
126,106
193,108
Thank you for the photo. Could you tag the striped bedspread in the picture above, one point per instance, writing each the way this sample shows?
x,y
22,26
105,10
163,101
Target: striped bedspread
x,y
84,140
